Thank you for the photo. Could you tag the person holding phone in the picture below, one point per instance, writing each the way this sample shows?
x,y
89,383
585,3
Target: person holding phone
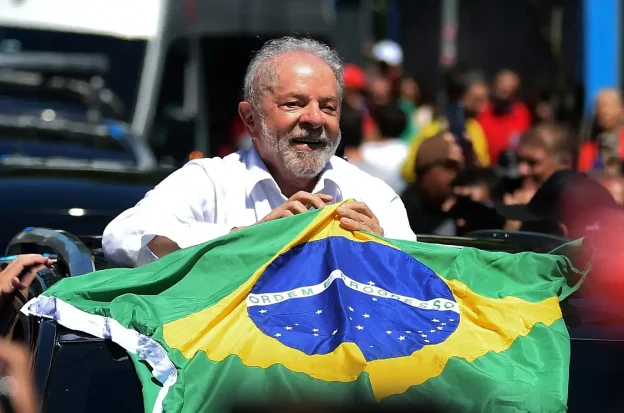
x,y
20,273
466,95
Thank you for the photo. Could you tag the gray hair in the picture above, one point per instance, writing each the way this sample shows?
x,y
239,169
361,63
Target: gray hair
x,y
261,72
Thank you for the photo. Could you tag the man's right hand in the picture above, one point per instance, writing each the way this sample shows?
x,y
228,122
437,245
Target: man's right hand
x,y
296,204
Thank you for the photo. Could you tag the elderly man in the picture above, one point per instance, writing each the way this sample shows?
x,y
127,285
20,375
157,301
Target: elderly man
x,y
293,90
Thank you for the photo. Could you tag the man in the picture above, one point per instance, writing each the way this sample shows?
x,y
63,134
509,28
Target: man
x,y
466,87
607,144
504,117
568,204
438,163
293,92
573,206
542,151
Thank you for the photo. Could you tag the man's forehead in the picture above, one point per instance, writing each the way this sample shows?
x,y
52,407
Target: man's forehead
x,y
608,96
293,68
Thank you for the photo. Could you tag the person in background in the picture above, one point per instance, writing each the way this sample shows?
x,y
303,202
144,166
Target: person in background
x,y
607,142
480,185
438,163
542,151
355,119
388,59
383,156
409,96
468,87
504,118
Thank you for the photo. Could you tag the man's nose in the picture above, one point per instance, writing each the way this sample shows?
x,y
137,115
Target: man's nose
x,y
312,117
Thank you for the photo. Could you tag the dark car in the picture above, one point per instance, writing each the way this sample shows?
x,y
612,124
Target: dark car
x,y
76,372
67,159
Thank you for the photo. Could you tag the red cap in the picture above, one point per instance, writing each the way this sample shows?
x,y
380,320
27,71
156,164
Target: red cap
x,y
354,77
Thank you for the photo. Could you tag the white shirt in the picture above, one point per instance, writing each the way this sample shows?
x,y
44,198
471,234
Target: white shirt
x,y
206,198
384,160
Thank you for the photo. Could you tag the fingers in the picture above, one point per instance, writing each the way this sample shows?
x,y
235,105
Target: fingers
x,y
295,207
358,207
352,225
15,268
357,216
20,273
308,199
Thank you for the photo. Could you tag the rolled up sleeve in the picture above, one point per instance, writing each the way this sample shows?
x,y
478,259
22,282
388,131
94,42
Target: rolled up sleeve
x,y
180,208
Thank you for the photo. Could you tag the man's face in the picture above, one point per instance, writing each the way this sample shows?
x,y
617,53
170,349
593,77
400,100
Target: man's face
x,y
475,99
506,86
299,126
608,110
536,164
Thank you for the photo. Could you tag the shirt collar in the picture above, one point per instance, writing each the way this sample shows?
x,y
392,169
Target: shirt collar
x,y
258,172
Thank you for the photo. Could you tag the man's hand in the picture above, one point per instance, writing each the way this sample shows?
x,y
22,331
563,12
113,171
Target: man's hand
x,y
296,204
15,377
357,216
20,273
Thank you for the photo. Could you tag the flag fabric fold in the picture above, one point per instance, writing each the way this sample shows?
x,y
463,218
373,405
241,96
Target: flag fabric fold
x,y
299,310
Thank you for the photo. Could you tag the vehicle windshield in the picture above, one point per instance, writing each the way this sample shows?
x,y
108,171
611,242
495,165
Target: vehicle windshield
x,y
125,59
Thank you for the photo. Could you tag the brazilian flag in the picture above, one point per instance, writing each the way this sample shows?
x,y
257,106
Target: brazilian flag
x,y
299,310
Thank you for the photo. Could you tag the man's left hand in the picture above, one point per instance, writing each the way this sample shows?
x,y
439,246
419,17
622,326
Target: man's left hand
x,y
357,216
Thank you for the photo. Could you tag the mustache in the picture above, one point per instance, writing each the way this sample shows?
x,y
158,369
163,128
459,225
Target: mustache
x,y
319,135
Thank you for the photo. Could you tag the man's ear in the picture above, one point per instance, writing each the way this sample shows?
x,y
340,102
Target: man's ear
x,y
247,114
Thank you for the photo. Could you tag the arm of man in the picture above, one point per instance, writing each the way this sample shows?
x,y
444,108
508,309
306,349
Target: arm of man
x,y
174,215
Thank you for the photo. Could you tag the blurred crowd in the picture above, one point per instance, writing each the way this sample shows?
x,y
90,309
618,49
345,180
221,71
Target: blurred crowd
x,y
479,145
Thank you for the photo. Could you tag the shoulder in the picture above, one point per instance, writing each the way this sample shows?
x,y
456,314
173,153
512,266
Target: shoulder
x,y
474,128
229,163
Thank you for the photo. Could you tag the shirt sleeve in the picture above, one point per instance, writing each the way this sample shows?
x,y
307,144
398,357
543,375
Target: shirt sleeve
x,y
396,225
180,208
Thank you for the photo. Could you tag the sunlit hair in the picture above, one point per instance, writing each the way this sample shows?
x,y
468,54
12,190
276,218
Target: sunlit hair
x,y
261,72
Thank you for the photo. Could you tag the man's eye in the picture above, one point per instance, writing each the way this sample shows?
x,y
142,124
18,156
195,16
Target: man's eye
x,y
291,104
329,109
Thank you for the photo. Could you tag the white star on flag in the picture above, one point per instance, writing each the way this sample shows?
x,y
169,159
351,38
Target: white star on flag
x,y
401,338
408,332
351,308
435,320
334,332
450,319
440,328
426,341
262,311
442,324
319,311
315,330
388,332
278,334
315,335
371,283
366,316
288,328
423,335
359,327
432,331
374,299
